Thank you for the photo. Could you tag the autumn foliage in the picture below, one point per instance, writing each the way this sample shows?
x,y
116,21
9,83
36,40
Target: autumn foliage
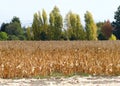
x,y
107,29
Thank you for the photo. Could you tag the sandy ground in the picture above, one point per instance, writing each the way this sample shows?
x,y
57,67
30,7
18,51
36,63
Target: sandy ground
x,y
71,81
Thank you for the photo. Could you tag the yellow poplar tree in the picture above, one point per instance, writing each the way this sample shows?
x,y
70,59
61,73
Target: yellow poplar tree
x,y
90,26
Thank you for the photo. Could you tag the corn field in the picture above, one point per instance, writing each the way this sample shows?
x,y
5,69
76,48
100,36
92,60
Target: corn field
x,y
42,58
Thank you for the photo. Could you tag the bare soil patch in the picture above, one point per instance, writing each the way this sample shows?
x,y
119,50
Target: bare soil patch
x,y
71,81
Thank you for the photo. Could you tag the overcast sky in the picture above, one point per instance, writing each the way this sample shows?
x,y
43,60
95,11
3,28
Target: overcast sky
x,y
24,9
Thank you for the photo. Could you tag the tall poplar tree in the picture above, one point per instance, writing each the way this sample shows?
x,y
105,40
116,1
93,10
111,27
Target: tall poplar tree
x,y
44,33
40,26
74,26
80,33
90,26
29,37
56,23
36,26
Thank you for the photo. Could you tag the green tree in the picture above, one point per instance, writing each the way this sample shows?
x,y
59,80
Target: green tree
x,y
21,37
74,27
70,22
80,34
16,19
3,36
56,23
90,26
29,37
45,32
13,37
44,16
40,26
36,26
99,27
51,30
101,36
14,29
3,26
116,23
64,35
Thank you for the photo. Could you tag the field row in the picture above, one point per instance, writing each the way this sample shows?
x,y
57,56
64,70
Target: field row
x,y
43,58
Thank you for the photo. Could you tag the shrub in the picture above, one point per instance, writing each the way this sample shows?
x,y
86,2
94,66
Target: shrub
x,y
13,37
3,36
112,37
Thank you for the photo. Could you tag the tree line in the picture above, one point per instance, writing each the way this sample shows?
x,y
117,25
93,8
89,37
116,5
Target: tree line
x,y
57,28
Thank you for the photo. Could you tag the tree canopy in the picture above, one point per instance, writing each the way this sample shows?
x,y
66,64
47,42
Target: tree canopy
x,y
116,23
55,27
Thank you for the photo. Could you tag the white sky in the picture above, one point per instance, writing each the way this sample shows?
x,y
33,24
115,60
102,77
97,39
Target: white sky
x,y
24,9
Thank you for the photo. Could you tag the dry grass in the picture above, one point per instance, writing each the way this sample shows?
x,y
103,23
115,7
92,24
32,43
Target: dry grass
x,y
38,58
